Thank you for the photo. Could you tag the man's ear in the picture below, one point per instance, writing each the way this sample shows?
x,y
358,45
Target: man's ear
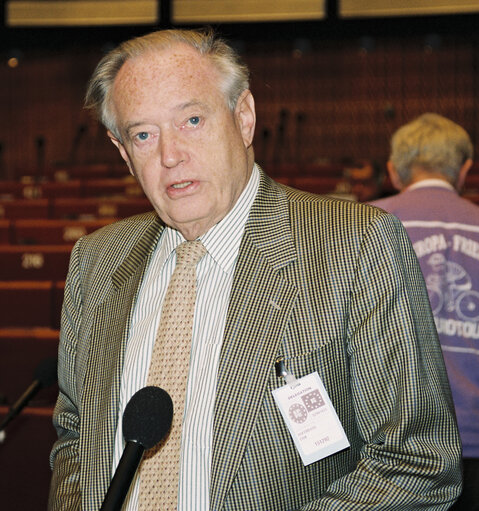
x,y
246,116
122,150
394,177
461,178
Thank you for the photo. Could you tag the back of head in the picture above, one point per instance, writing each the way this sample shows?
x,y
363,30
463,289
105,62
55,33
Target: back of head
x,y
235,74
431,144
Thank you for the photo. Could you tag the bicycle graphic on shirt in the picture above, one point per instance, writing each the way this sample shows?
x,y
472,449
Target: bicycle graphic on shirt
x,y
450,289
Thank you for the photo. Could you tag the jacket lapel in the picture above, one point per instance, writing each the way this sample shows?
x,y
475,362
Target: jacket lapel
x,y
260,305
108,338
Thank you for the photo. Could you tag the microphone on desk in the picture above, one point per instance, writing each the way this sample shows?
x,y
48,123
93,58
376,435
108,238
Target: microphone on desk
x,y
45,375
146,421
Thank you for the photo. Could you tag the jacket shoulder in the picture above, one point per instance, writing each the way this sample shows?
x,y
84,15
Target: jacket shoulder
x,y
333,210
113,243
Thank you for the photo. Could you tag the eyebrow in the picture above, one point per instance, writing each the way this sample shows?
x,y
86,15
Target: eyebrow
x,y
181,107
192,103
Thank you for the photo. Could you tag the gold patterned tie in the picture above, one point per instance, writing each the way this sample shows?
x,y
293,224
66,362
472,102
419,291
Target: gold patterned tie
x,y
159,471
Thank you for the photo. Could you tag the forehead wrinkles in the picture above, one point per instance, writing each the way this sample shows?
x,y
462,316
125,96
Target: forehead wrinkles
x,y
179,70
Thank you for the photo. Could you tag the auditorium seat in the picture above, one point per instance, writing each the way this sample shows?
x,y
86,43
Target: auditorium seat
x,y
24,460
24,208
40,190
5,232
23,349
51,231
12,190
90,171
90,208
60,189
26,304
35,262
111,188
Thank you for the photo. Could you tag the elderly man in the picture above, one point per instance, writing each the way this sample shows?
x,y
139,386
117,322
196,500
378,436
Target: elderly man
x,y
430,158
302,357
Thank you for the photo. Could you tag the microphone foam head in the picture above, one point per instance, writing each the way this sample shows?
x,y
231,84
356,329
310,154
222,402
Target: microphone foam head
x,y
46,372
147,417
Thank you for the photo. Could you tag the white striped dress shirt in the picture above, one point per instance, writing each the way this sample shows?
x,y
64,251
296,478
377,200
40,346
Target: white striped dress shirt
x,y
214,280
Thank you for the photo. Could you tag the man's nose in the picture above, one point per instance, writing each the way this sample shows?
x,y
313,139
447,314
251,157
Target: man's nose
x,y
171,149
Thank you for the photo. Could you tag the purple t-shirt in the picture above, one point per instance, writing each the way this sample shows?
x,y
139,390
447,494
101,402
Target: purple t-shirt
x,y
444,230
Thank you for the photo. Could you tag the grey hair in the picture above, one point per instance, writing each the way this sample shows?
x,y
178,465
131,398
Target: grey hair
x,y
433,143
235,74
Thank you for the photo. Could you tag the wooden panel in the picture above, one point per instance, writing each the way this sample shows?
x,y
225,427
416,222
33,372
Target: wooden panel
x,y
98,208
26,304
208,11
24,208
28,13
23,349
5,232
36,262
89,171
52,232
111,187
21,190
24,462
376,8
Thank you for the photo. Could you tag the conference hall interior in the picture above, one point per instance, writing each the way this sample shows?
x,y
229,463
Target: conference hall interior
x,y
332,81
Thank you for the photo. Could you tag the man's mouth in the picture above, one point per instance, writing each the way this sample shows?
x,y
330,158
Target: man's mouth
x,y
182,185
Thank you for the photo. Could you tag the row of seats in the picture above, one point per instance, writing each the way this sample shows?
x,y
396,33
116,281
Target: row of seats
x,y
24,460
117,170
118,198
73,208
31,304
77,188
30,436
22,350
34,262
39,226
47,231
94,189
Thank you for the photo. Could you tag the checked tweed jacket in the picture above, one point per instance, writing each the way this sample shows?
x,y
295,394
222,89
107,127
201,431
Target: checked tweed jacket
x,y
332,286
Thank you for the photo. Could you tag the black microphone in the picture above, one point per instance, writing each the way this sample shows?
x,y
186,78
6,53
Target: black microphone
x,y
146,421
45,375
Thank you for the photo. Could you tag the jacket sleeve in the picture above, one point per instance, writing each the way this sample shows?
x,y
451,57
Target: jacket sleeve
x,y
410,454
64,458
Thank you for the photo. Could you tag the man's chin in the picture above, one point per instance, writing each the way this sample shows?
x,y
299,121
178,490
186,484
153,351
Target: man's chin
x,y
190,227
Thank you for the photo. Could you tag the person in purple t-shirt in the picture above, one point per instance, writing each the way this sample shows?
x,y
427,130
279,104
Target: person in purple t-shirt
x,y
429,161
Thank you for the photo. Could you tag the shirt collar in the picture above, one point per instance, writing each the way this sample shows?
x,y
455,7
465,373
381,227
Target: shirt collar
x,y
223,240
428,183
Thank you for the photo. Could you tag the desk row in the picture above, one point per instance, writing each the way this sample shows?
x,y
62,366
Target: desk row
x,y
31,304
77,188
73,209
47,231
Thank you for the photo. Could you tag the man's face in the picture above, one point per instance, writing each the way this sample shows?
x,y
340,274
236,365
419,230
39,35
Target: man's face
x,y
190,153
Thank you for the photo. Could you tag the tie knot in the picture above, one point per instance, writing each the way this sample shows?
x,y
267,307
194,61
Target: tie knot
x,y
189,253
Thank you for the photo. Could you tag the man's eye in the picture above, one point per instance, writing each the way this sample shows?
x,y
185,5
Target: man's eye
x,y
194,121
143,136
